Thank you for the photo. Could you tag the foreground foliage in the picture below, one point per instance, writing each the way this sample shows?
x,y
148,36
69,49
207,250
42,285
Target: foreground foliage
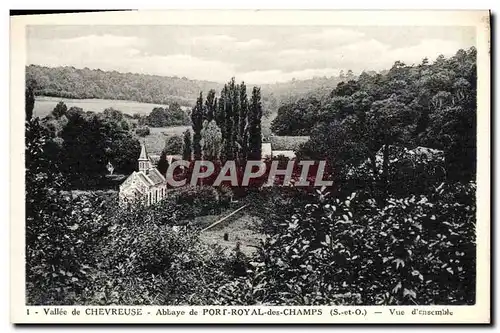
x,y
410,250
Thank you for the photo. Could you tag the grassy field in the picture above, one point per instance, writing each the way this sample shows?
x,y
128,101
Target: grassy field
x,y
172,130
155,142
242,230
44,105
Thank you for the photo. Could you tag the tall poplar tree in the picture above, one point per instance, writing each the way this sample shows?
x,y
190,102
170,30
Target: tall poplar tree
x,y
220,115
242,128
210,105
228,112
197,120
255,130
235,100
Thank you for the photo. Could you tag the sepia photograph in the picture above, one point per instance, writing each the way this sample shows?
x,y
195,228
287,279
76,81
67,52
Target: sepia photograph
x,y
253,164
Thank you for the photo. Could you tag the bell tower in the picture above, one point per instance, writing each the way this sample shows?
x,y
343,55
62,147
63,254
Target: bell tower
x,y
144,162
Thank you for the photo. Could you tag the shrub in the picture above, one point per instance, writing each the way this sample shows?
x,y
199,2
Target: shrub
x,y
61,245
409,170
143,131
225,195
174,144
203,200
147,263
412,250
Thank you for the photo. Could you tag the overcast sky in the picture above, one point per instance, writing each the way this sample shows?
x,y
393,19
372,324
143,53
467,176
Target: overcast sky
x,y
255,54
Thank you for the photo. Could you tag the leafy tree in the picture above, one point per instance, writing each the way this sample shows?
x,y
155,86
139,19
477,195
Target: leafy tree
x,y
113,114
212,141
60,110
346,89
350,75
89,142
158,118
164,117
330,141
124,124
210,106
173,145
232,117
176,116
297,118
54,126
84,158
389,122
74,110
143,131
357,241
122,150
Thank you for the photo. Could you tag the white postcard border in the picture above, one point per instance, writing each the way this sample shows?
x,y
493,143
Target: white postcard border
x,y
478,313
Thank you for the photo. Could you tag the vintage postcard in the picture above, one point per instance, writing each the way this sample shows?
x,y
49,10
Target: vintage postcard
x,y
251,167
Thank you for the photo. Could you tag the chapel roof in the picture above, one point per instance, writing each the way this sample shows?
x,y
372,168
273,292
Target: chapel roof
x,y
155,176
145,179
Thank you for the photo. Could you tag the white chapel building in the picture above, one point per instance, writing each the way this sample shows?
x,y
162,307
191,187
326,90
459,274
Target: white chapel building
x,y
147,185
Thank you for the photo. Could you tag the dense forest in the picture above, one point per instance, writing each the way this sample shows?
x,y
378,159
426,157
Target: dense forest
x,y
396,228
430,104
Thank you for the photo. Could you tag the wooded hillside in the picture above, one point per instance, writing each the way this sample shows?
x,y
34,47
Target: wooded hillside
x,y
70,82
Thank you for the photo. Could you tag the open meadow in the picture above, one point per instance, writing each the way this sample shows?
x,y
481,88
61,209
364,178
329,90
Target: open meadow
x,y
44,105
155,142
